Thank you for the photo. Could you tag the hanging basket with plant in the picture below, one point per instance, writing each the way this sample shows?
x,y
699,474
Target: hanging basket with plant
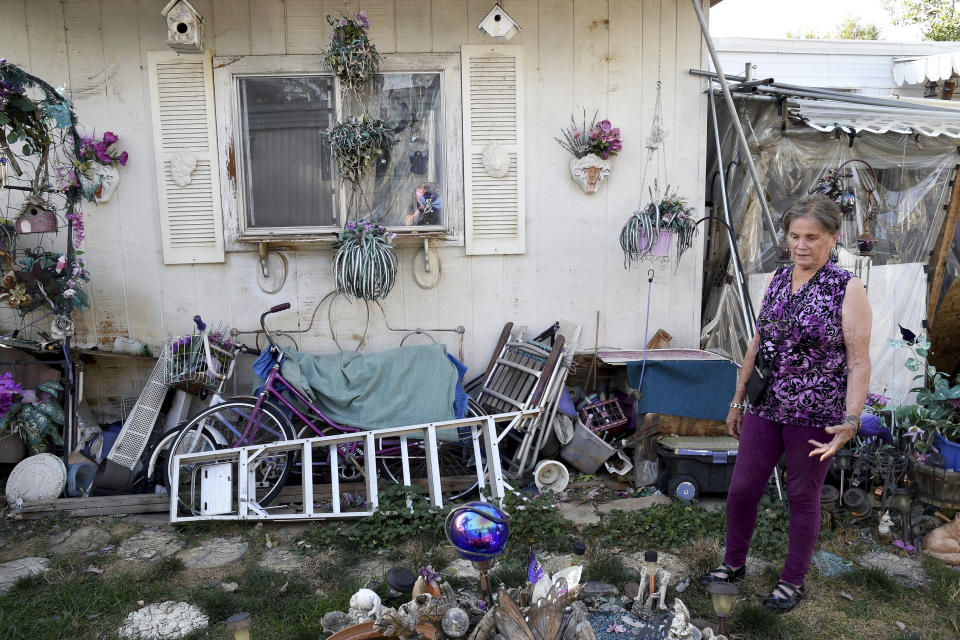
x,y
648,230
357,144
350,55
365,265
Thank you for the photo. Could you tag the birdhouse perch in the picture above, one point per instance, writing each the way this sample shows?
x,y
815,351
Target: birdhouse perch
x,y
184,26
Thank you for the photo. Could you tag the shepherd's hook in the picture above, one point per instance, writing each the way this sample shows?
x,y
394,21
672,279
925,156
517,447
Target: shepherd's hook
x,y
650,273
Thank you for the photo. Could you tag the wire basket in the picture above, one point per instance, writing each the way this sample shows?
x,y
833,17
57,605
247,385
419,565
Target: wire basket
x,y
186,362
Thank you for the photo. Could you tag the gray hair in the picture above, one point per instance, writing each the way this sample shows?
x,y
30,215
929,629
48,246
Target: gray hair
x,y
818,208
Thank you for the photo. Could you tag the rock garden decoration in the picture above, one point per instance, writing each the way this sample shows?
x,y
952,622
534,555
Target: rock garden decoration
x,y
350,55
648,231
591,147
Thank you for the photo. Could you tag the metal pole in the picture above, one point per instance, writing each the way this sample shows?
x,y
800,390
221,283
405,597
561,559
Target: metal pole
x,y
826,94
748,320
735,118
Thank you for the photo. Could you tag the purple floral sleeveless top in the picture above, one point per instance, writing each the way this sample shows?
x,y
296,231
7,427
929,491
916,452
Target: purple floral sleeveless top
x,y
801,338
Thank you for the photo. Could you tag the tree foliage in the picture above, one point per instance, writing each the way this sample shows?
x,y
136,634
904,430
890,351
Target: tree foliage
x,y
850,29
937,19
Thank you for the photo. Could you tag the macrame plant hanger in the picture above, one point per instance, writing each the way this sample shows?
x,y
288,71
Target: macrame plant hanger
x,y
639,225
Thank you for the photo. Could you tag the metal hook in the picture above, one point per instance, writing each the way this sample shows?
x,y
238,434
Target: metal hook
x,y
650,274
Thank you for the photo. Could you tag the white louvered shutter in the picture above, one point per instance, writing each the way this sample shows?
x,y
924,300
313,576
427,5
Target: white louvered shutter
x,y
184,126
492,113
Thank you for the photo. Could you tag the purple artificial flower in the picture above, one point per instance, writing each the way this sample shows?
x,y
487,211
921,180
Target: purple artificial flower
x,y
428,574
877,400
86,141
577,133
362,20
605,126
8,388
109,138
102,155
914,431
123,159
906,546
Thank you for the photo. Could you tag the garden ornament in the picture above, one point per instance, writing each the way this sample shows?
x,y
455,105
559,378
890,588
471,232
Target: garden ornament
x,y
182,167
496,160
661,577
885,527
36,216
680,628
589,172
364,606
722,595
499,24
184,26
943,543
99,183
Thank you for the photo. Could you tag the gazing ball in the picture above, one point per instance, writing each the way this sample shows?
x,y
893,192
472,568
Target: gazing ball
x,y
477,530
847,202
455,622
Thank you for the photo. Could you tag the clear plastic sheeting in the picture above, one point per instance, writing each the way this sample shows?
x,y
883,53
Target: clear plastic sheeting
x,y
903,209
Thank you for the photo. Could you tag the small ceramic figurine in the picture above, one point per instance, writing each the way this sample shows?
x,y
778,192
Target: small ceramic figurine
x,y
680,628
885,527
364,606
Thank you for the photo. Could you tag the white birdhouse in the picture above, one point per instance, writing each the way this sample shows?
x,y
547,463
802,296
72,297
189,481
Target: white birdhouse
x,y
499,24
184,26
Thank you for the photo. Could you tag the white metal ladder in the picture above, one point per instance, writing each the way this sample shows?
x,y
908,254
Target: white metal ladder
x,y
227,476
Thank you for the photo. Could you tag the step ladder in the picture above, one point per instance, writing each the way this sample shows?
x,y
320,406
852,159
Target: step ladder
x,y
225,479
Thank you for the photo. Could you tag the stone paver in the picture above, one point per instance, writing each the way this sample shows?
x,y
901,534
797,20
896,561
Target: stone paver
x,y
11,572
165,620
280,559
632,504
215,552
82,540
461,568
151,544
907,571
579,514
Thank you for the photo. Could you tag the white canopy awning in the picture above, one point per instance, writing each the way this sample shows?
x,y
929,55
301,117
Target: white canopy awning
x,y
941,66
827,115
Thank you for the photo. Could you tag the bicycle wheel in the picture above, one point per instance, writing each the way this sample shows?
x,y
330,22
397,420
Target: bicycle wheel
x,y
457,467
158,457
230,419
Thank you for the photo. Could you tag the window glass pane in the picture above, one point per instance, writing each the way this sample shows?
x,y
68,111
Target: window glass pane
x,y
407,186
288,175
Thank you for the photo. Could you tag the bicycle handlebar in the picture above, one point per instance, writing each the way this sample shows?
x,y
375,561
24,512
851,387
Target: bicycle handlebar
x,y
263,318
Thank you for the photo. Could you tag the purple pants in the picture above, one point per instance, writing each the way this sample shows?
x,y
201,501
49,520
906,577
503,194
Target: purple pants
x,y
762,442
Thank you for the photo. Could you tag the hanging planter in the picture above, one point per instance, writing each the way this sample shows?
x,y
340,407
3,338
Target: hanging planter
x,y
591,147
365,265
350,55
648,231
357,144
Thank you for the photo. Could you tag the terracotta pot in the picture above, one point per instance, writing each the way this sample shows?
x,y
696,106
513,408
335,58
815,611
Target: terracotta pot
x,y
366,631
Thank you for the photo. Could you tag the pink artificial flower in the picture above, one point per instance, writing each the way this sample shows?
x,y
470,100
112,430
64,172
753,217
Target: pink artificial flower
x,y
123,159
616,628
362,20
69,293
101,150
61,264
577,133
109,138
605,126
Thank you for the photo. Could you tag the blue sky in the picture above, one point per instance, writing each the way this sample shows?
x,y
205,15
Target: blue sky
x,y
773,18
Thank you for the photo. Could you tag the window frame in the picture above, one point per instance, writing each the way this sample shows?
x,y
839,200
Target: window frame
x,y
227,71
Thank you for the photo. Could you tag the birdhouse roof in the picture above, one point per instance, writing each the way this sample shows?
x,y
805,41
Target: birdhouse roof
x,y
498,9
173,3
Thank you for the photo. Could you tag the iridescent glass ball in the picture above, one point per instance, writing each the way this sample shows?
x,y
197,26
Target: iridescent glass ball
x,y
478,531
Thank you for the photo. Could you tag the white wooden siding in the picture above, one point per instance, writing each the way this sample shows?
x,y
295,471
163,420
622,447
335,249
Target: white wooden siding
x,y
594,55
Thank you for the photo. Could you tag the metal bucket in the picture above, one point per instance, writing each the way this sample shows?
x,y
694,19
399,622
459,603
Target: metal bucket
x,y
586,452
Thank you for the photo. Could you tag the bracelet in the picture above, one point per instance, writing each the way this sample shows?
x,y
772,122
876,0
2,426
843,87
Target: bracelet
x,y
856,427
738,405
853,421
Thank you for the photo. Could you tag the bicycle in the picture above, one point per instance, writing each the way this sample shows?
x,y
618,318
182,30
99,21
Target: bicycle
x,y
268,417
200,364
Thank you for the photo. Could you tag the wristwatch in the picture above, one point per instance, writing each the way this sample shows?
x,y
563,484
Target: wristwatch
x,y
853,420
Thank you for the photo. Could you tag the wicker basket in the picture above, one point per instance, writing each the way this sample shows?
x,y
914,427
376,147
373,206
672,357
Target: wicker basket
x,y
938,487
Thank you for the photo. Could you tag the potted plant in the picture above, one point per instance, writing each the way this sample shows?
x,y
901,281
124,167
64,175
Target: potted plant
x,y
350,55
932,424
365,265
649,229
591,147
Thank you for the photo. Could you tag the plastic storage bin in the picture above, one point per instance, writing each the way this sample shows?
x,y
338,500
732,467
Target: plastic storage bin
x,y
693,465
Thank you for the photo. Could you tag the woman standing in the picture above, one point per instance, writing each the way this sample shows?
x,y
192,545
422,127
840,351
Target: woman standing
x,y
814,333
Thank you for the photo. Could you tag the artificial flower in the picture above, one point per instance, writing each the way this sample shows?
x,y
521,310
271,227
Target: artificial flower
x,y
914,432
61,264
616,628
362,20
109,137
69,293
